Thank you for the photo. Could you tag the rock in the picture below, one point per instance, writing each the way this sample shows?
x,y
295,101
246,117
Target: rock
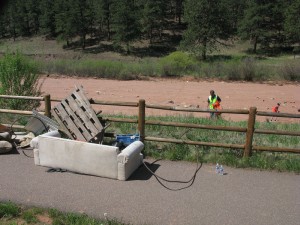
x,y
5,147
5,136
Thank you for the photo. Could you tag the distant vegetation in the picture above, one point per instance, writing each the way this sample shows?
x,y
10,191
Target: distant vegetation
x,y
159,37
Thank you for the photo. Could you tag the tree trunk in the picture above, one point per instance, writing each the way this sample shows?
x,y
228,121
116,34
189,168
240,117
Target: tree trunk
x,y
255,44
83,41
204,50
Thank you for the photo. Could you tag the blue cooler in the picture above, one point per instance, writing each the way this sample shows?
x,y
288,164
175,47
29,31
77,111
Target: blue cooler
x,y
127,139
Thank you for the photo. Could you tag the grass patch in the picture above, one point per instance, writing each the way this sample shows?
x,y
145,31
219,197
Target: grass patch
x,y
11,213
229,157
230,63
9,210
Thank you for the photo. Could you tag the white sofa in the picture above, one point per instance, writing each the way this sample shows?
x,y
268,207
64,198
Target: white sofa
x,y
88,158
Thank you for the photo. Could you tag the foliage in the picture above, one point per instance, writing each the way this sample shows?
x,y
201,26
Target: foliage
x,y
207,25
177,63
18,76
263,23
292,21
8,209
125,24
11,213
291,71
153,17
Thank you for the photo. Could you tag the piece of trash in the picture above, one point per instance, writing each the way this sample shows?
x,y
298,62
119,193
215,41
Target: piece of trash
x,y
127,139
217,168
221,170
25,141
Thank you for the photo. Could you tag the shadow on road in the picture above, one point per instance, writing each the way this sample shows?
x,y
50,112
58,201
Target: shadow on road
x,y
142,173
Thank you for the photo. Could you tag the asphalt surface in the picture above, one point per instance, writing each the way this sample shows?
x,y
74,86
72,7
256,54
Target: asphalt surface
x,y
239,197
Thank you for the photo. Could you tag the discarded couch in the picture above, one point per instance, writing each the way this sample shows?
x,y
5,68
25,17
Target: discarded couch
x,y
88,158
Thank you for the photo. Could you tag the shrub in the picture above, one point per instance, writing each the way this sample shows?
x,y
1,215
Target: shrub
x,y
8,210
248,69
177,63
290,71
18,76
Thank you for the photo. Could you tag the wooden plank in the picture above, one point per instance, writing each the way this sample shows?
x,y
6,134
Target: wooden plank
x,y
79,91
68,123
76,121
83,117
84,102
57,116
90,116
200,143
77,116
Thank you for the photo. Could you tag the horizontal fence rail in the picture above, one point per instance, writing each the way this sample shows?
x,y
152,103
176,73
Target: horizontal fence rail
x,y
142,121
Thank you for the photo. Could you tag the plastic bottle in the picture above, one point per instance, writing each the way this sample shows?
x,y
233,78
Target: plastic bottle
x,y
221,170
217,168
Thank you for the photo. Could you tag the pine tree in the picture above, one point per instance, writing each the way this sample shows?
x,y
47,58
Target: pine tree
x,y
47,17
103,17
263,23
33,11
153,17
207,26
82,14
292,22
125,24
64,20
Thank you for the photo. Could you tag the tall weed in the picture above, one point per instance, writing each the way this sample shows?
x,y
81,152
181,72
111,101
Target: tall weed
x,y
290,71
18,76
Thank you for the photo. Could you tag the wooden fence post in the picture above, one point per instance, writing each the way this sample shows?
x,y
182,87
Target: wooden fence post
x,y
141,119
47,100
250,132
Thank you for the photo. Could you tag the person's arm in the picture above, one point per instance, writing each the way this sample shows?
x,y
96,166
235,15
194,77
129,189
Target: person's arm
x,y
219,99
208,103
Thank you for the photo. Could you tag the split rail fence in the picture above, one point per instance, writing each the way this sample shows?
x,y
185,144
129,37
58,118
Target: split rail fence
x,y
142,121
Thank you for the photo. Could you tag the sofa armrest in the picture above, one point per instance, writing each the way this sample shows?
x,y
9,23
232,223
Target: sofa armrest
x,y
129,160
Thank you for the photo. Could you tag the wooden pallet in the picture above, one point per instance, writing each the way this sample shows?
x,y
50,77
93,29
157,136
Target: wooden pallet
x,y
77,118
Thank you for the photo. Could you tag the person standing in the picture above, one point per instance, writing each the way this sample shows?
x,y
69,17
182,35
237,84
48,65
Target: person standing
x,y
213,102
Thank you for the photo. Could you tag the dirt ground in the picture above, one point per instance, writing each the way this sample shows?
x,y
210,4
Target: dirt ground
x,y
184,93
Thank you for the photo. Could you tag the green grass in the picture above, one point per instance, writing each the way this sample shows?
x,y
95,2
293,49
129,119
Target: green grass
x,y
229,63
229,157
8,210
11,213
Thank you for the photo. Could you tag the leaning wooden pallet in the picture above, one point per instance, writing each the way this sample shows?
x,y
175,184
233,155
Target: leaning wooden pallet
x,y
78,119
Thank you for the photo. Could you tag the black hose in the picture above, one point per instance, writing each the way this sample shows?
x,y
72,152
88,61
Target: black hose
x,y
191,181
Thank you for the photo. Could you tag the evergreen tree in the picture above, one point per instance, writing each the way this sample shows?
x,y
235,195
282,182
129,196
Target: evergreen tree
x,y
3,23
47,17
81,12
235,10
263,23
11,18
65,22
207,26
292,21
153,17
33,11
103,16
125,24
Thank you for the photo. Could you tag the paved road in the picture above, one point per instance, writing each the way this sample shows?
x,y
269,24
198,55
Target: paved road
x,y
240,197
